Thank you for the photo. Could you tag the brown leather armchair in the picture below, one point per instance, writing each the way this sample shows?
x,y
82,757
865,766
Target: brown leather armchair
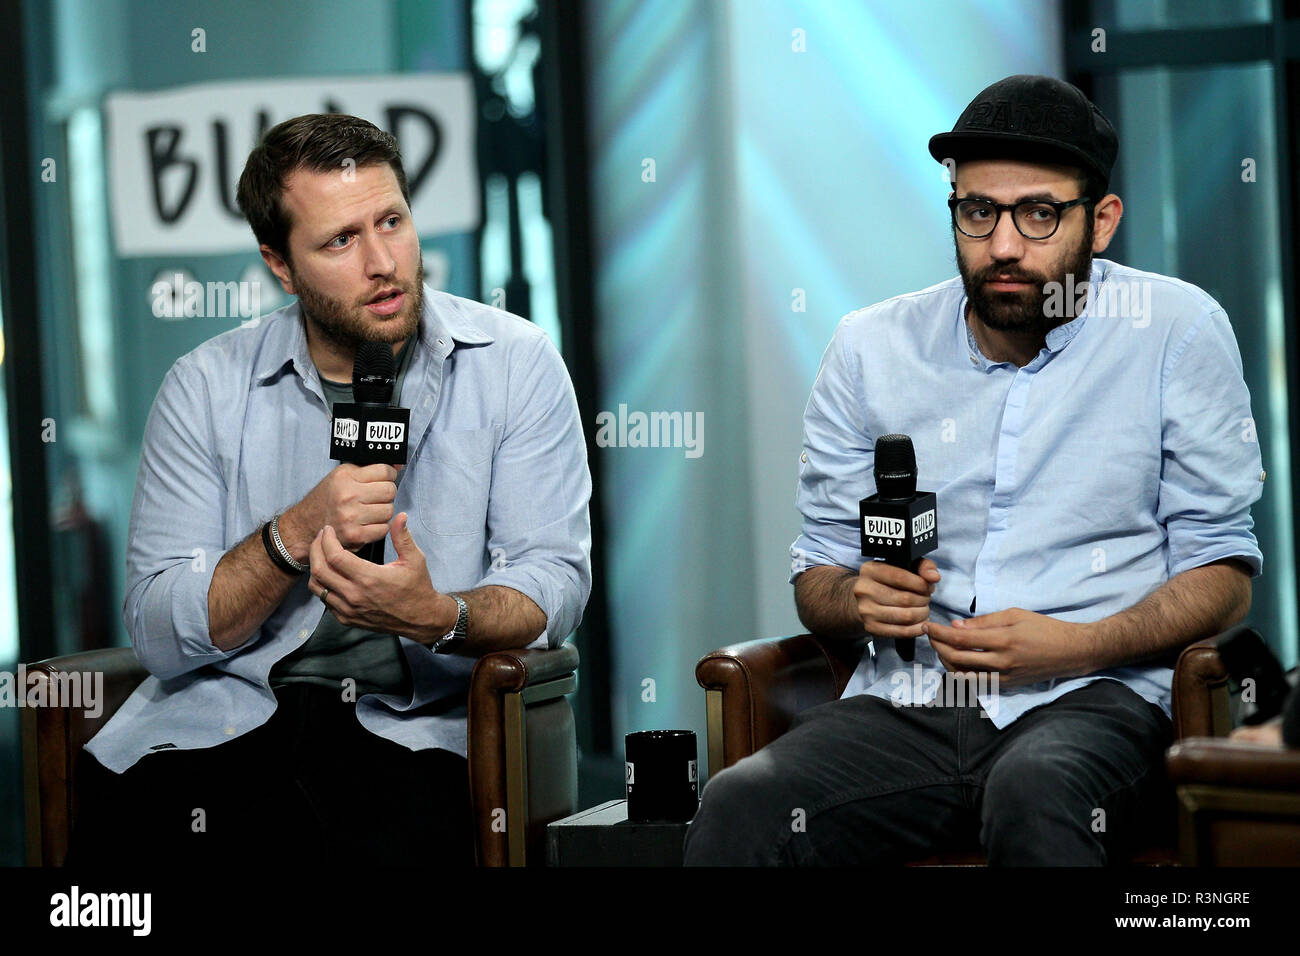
x,y
523,752
753,690
1238,802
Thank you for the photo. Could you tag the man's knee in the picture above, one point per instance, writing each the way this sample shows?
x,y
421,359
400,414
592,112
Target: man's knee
x,y
1038,810
745,814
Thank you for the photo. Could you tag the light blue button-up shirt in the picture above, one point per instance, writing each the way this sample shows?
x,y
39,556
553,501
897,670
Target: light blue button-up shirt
x,y
496,485
1123,454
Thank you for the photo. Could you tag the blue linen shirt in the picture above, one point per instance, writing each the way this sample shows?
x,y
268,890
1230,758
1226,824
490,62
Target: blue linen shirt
x,y
1122,455
496,486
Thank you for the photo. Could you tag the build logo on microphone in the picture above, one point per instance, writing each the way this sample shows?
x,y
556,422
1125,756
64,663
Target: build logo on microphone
x,y
923,526
386,435
887,530
346,430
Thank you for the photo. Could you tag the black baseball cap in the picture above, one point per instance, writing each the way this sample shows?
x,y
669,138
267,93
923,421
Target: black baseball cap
x,y
1035,118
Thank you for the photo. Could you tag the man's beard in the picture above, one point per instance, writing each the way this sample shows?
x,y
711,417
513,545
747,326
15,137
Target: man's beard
x,y
346,329
1024,311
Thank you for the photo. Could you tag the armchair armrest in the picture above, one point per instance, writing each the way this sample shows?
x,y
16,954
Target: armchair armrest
x,y
754,689
513,670
53,736
1200,692
523,750
1239,802
1233,763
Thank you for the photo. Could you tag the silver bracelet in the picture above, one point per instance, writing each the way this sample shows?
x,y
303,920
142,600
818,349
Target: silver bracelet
x,y
284,552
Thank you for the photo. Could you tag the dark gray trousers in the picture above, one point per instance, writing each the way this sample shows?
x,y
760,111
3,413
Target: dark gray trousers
x,y
310,787
862,781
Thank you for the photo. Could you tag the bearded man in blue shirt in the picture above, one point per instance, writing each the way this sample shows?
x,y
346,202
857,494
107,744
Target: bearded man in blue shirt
x,y
1088,433
309,702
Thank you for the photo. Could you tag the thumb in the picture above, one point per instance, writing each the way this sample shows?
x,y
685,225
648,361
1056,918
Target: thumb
x,y
400,532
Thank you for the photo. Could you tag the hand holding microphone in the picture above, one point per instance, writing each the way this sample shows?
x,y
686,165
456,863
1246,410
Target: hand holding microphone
x,y
369,437
893,602
352,508
899,525
355,500
372,431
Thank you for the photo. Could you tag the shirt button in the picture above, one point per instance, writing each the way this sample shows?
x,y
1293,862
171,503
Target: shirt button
x,y
1262,474
302,633
975,360
804,458
230,731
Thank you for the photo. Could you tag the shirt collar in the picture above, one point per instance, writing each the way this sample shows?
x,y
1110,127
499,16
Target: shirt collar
x,y
442,324
1056,340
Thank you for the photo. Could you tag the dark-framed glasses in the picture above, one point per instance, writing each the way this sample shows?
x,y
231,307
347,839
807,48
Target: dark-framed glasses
x,y
1034,218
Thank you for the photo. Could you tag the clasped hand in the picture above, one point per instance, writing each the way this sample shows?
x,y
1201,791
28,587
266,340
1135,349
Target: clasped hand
x,y
1023,647
396,598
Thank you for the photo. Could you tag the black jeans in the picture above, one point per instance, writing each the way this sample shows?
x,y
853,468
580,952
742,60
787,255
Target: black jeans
x,y
1079,781
311,785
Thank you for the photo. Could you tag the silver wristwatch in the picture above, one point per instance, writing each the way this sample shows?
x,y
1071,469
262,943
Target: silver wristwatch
x,y
456,636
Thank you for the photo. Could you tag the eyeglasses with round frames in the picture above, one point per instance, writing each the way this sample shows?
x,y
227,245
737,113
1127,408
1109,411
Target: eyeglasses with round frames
x,y
1034,218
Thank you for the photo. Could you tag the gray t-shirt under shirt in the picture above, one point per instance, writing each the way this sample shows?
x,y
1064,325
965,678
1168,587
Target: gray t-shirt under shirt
x,y
335,652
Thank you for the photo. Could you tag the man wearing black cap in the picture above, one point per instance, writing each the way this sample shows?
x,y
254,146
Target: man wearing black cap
x,y
1088,434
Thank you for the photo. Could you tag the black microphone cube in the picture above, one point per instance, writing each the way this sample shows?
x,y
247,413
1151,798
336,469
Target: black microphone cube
x,y
900,531
370,434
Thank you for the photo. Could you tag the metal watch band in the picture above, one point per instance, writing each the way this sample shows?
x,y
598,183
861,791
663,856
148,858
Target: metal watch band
x,y
460,630
276,549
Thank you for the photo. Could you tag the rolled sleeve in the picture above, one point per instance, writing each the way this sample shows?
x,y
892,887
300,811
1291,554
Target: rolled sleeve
x,y
1211,470
175,539
837,457
539,529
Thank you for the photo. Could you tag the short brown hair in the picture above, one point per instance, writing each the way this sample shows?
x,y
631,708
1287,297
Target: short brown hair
x,y
321,142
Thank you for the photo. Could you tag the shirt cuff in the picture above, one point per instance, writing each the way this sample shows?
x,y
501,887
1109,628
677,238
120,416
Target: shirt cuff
x,y
562,618
170,630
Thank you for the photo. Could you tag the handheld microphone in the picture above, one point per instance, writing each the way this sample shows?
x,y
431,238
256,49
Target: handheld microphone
x,y
369,430
898,522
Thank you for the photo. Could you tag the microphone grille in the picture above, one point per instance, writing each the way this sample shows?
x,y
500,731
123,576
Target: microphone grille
x,y
895,455
373,373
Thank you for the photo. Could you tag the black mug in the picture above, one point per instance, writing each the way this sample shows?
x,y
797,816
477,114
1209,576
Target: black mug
x,y
662,776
